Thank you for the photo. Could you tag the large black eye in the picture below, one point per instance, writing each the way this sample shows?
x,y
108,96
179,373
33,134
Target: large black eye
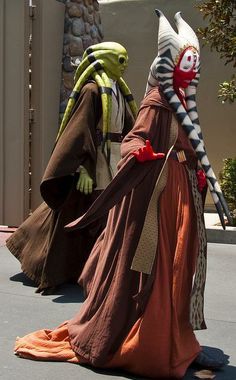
x,y
121,60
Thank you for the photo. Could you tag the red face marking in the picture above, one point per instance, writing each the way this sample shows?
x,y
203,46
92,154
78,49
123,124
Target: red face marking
x,y
185,70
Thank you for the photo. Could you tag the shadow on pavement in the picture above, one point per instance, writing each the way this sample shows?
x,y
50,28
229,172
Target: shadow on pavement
x,y
69,293
229,373
21,277
226,373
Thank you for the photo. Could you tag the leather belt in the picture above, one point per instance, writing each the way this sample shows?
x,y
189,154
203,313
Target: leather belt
x,y
112,136
178,156
115,137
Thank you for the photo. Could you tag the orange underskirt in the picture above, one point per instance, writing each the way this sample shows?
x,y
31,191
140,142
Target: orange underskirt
x,y
162,342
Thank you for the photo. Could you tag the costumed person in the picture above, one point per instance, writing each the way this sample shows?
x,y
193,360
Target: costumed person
x,y
100,111
145,276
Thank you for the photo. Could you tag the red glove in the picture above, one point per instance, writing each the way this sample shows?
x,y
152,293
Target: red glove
x,y
201,179
146,153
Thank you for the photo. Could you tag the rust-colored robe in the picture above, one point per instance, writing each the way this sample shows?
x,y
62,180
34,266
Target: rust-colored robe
x,y
139,322
47,253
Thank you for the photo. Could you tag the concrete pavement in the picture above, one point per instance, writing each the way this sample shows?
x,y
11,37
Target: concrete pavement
x,y
22,311
215,232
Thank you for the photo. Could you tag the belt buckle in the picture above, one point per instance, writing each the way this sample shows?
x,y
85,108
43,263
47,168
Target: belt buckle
x,y
181,156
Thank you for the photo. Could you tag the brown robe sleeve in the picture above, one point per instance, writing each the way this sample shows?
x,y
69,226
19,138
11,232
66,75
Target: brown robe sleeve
x,y
144,129
148,125
77,146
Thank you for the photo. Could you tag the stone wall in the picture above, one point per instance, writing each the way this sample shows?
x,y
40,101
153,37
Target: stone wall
x,y
82,29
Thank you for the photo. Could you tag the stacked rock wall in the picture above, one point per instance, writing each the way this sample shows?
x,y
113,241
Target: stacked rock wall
x,y
82,29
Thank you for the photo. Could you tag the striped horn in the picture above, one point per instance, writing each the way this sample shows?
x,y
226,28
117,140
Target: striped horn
x,y
185,31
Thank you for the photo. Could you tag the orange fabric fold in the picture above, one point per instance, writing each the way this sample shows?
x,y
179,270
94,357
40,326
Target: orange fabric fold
x,y
53,345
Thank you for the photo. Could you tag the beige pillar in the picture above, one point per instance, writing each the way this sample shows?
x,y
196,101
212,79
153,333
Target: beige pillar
x,y
14,72
47,46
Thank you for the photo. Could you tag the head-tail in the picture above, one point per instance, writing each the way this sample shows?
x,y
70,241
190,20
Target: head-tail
x,y
191,106
106,94
174,50
95,66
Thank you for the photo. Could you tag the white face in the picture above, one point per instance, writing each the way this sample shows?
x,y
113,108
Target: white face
x,y
189,61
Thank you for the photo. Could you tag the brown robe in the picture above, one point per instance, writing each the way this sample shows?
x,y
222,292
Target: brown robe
x,y
47,253
117,296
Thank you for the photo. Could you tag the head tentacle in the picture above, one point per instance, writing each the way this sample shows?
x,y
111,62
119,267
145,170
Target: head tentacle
x,y
214,186
106,94
74,95
191,105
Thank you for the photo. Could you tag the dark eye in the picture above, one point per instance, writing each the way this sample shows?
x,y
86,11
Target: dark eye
x,y
121,60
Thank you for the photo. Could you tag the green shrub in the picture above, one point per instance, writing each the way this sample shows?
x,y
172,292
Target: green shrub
x,y
228,185
220,35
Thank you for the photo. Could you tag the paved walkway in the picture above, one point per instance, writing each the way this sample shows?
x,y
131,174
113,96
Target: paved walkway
x,y
22,311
